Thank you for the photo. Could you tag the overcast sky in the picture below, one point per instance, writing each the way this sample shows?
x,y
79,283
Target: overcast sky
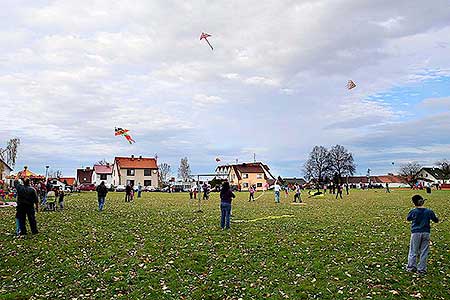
x,y
275,84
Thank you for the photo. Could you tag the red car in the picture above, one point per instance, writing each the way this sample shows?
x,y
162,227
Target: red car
x,y
87,187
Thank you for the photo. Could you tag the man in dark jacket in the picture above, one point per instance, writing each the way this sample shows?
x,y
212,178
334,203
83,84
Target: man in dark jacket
x,y
102,190
27,199
128,193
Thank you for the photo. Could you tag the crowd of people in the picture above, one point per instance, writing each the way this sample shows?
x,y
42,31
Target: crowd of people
x,y
28,204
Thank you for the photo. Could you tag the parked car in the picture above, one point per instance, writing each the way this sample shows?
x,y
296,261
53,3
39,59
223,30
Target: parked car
x,y
120,188
87,187
149,189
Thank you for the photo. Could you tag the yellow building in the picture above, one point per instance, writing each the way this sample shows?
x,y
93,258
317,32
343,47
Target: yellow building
x,y
244,175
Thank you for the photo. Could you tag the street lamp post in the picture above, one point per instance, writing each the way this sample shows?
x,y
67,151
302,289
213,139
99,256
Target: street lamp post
x,y
46,172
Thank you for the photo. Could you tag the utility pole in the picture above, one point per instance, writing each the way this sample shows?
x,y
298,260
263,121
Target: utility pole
x,y
254,157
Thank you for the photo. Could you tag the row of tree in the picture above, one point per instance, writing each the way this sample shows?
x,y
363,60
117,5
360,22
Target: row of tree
x,y
184,171
329,164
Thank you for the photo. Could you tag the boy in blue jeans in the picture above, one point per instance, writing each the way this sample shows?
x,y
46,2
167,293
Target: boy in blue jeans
x,y
420,235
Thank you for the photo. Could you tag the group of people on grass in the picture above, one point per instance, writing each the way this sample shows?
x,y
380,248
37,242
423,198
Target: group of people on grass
x,y
420,218
196,189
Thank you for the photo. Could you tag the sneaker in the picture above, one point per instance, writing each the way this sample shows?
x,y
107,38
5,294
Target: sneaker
x,y
422,272
411,270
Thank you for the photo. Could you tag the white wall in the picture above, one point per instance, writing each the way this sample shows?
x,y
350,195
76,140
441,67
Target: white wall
x,y
96,179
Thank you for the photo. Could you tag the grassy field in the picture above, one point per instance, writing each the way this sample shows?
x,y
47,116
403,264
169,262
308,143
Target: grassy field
x,y
159,247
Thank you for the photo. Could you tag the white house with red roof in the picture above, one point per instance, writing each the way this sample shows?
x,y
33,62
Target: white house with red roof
x,y
103,173
244,175
135,170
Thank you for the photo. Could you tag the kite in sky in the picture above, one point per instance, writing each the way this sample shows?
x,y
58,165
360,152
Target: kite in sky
x,y
351,84
124,132
206,36
217,159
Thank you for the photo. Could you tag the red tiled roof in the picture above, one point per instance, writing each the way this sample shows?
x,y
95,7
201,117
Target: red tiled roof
x,y
101,169
69,180
136,163
390,179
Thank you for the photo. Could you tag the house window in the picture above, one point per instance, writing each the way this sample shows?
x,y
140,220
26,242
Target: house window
x,y
102,176
245,184
130,182
245,175
130,172
259,176
259,184
147,172
147,182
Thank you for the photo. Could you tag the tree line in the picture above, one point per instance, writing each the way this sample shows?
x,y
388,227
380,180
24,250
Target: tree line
x,y
325,165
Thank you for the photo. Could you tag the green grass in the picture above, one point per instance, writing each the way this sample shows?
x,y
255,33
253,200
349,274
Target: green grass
x,y
159,248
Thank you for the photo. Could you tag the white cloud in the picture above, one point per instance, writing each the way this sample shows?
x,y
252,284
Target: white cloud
x,y
205,101
72,70
436,103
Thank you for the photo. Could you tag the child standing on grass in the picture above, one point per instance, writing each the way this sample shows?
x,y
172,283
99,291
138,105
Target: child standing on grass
x,y
251,197
277,189
226,196
297,195
51,200
420,235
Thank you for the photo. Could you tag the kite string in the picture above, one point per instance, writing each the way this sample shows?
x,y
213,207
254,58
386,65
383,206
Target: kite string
x,y
260,195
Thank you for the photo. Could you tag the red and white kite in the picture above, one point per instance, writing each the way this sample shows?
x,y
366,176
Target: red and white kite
x,y
351,85
206,36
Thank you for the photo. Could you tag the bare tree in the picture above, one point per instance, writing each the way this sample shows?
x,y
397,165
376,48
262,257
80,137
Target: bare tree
x,y
9,155
164,172
103,162
444,165
184,171
409,172
341,162
55,174
317,166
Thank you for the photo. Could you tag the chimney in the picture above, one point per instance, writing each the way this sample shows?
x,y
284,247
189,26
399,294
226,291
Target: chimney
x,y
132,157
140,156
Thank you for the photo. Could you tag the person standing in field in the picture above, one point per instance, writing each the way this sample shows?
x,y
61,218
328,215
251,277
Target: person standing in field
x,y
346,188
339,191
102,191
43,193
277,189
27,205
128,193
226,196
251,196
387,188
132,192
297,195
419,246
139,190
61,199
